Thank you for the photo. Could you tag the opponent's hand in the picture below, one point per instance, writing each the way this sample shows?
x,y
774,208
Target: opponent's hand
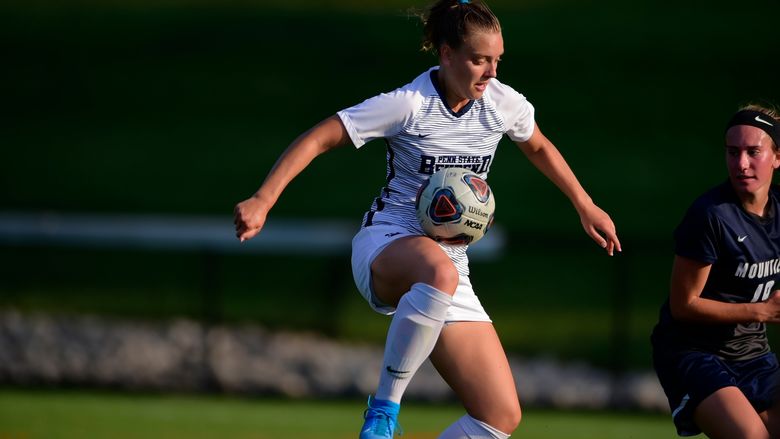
x,y
599,226
249,217
771,308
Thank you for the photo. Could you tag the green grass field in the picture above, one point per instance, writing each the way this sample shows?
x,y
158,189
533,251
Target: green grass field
x,y
65,415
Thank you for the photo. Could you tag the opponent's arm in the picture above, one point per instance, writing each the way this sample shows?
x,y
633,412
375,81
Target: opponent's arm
x,y
688,279
546,157
249,215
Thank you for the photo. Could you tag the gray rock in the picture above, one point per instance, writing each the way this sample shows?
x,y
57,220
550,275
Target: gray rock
x,y
184,355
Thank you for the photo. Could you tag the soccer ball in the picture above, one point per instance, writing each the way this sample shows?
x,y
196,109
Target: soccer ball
x,y
455,206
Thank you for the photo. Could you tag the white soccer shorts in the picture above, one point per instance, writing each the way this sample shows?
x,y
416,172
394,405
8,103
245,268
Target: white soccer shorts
x,y
370,241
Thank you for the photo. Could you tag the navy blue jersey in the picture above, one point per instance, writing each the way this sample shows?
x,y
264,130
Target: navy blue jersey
x,y
744,251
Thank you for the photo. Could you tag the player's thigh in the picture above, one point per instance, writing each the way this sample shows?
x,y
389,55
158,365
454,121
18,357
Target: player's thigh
x,y
771,418
407,261
727,414
470,358
765,388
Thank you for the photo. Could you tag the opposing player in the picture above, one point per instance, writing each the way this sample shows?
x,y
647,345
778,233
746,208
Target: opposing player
x,y
454,114
710,346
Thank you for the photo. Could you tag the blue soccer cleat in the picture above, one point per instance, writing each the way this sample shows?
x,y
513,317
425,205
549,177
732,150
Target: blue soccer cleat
x,y
381,419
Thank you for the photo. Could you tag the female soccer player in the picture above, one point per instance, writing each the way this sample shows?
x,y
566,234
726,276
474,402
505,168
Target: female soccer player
x,y
454,114
710,347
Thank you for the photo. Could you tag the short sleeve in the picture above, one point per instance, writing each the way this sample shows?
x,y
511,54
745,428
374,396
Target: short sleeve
x,y
383,115
515,110
697,235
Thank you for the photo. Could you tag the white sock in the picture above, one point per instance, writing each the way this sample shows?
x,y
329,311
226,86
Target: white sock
x,y
470,428
413,332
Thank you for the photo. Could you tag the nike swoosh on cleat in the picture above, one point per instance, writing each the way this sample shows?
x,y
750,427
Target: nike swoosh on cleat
x,y
758,119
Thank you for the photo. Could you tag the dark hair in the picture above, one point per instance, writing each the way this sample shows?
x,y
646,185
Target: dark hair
x,y
451,21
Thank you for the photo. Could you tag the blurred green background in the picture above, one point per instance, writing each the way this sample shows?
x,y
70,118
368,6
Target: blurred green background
x,y
181,107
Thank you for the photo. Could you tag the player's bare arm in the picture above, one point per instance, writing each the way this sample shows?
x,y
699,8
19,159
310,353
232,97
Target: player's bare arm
x,y
250,214
546,157
688,279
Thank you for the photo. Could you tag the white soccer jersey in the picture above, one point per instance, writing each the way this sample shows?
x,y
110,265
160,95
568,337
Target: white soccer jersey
x,y
423,135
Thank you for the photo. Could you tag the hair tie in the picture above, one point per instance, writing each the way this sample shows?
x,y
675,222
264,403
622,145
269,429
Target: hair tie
x,y
463,2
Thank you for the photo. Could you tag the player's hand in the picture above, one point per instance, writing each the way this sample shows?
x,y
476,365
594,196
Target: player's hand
x,y
249,217
599,226
772,308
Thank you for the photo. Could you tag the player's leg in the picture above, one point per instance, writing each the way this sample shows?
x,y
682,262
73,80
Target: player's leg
x,y
469,356
410,260
771,419
761,385
727,414
418,278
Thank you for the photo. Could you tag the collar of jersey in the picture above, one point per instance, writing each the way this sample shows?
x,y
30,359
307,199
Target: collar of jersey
x,y
771,211
435,81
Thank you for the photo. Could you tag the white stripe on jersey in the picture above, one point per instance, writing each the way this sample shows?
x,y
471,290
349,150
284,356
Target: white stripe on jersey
x,y
423,135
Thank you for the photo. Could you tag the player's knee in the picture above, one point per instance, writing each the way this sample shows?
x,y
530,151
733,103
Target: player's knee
x,y
444,277
511,419
506,419
516,418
